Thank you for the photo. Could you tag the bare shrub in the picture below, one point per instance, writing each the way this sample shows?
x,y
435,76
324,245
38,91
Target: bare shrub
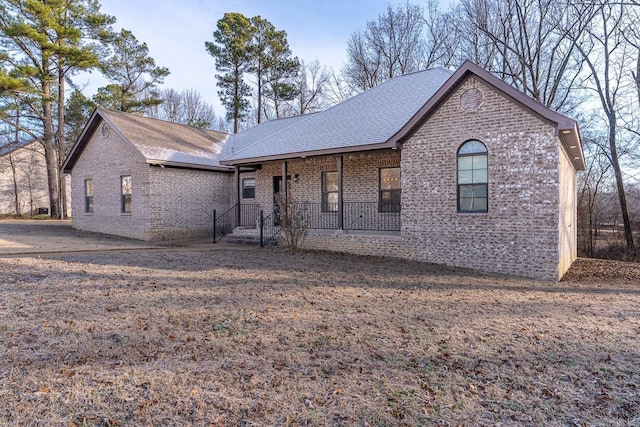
x,y
294,221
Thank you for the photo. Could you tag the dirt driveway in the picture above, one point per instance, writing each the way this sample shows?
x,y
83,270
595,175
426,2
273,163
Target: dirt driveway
x,y
40,237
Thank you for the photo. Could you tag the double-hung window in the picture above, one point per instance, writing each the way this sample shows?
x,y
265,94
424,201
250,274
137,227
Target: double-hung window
x,y
329,191
473,187
88,195
125,194
390,190
249,188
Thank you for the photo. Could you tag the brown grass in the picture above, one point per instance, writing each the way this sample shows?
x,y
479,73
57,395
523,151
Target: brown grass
x,y
266,337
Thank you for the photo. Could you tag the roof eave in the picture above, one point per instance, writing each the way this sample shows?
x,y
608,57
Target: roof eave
x,y
78,146
570,137
183,165
312,153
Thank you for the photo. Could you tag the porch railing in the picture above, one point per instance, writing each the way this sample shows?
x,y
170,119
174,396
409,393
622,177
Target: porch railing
x,y
360,216
238,215
373,216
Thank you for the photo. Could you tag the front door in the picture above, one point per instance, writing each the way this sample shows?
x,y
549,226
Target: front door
x,y
277,189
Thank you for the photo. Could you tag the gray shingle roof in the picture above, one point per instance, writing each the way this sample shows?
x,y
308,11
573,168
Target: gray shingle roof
x,y
167,142
372,117
256,134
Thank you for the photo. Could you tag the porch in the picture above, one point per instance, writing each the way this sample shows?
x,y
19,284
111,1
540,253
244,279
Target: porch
x,y
249,224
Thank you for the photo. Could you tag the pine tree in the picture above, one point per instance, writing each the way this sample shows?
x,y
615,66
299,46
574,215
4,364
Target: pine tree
x,y
232,52
133,73
44,42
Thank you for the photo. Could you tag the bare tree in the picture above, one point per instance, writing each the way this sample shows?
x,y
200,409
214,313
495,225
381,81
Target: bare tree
x,y
196,111
440,42
187,107
590,189
171,107
529,43
13,167
391,46
30,166
313,84
609,61
339,89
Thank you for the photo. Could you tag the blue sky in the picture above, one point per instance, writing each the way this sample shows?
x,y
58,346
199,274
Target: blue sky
x,y
175,32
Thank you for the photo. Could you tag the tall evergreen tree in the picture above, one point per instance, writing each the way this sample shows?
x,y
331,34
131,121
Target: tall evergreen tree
x,y
77,113
133,74
274,67
232,52
44,42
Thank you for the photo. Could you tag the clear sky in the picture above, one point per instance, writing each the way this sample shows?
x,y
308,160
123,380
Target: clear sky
x,y
175,32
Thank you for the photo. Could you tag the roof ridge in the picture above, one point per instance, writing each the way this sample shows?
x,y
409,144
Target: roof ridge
x,y
169,122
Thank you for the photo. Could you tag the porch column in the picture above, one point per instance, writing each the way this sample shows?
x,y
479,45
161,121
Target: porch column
x,y
283,190
237,181
340,203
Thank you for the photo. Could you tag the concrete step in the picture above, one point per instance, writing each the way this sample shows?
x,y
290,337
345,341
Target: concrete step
x,y
246,236
244,239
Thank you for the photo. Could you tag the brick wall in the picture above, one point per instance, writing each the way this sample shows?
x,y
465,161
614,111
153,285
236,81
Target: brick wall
x,y
519,233
166,203
354,242
183,200
105,160
360,179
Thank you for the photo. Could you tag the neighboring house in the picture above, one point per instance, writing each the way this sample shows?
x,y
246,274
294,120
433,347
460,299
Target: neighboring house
x,y
145,178
23,168
456,168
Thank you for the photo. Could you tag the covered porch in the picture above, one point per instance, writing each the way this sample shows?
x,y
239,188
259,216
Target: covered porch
x,y
356,192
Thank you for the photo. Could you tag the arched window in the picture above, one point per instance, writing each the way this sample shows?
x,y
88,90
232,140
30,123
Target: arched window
x,y
473,188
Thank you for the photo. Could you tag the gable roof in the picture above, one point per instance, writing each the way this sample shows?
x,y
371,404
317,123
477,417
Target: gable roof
x,y
565,128
369,119
160,142
12,146
384,117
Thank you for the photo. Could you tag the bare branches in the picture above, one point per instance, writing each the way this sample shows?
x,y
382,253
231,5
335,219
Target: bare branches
x,y
390,46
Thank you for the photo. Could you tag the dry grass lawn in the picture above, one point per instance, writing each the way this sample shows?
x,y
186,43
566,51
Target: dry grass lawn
x,y
265,337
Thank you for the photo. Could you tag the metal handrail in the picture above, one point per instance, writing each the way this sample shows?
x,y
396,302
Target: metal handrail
x,y
268,230
236,216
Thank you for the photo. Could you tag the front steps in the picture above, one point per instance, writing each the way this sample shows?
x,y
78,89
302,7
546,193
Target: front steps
x,y
243,236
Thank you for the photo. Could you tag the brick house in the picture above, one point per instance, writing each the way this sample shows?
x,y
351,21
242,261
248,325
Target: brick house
x,y
24,165
457,168
145,178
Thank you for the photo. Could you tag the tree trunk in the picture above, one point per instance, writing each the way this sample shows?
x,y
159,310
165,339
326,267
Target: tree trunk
x,y
62,213
259,72
12,163
236,99
50,150
628,234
